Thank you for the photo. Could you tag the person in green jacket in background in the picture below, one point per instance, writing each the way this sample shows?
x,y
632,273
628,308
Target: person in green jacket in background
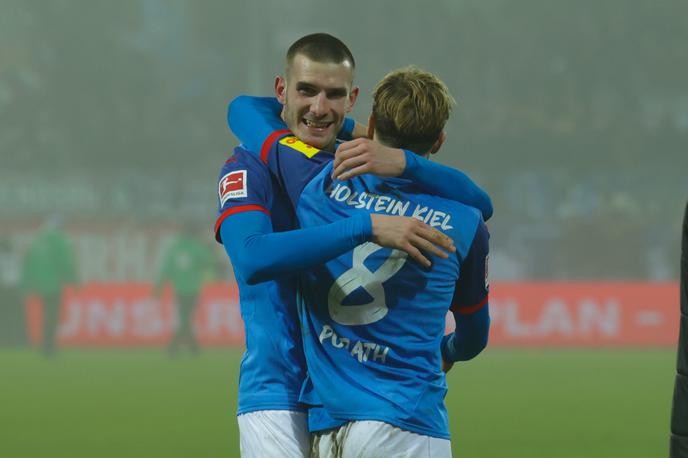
x,y
188,264
48,267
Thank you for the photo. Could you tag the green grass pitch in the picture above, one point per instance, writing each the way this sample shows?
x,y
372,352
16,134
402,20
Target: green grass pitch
x,y
506,403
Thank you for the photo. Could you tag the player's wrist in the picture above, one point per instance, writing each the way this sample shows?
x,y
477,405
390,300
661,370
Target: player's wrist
x,y
375,226
399,161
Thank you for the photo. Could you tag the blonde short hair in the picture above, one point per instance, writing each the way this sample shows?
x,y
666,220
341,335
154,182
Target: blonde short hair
x,y
411,107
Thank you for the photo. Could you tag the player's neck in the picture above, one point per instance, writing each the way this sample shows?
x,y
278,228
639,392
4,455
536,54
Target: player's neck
x,y
376,138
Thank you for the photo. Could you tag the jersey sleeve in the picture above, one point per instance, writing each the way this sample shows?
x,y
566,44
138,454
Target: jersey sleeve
x,y
469,338
253,119
347,130
258,254
446,182
472,287
244,185
470,303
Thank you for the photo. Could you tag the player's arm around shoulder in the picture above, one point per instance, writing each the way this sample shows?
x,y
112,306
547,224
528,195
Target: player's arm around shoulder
x,y
363,155
254,119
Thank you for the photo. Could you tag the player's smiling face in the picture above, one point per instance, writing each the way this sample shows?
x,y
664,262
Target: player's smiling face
x,y
316,97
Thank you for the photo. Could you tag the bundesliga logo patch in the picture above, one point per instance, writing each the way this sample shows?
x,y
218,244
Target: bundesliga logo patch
x,y
232,186
293,142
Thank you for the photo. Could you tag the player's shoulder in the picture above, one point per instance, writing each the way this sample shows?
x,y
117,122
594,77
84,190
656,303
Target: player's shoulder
x,y
242,159
241,156
465,211
291,143
293,159
458,210
241,168
464,221
295,148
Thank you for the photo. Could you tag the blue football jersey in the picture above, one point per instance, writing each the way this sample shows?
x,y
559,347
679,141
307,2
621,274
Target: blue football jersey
x,y
372,319
273,365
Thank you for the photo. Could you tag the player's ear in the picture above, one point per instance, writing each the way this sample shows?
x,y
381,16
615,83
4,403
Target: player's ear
x,y
280,89
353,95
371,127
438,144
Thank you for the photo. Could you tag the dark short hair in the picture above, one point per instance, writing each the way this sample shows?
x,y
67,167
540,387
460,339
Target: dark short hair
x,y
321,47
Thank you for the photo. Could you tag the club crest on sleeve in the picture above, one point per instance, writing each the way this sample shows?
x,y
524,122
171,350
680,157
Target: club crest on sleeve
x,y
232,186
294,143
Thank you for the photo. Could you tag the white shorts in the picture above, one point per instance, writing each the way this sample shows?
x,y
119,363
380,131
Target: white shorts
x,y
274,433
375,439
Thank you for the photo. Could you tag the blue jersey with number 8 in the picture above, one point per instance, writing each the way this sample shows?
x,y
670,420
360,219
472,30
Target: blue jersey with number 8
x,y
372,319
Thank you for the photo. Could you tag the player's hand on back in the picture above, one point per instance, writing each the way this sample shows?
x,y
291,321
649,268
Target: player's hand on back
x,y
412,236
363,155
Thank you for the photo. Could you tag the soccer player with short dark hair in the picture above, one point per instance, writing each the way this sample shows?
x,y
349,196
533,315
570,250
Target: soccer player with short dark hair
x,y
253,204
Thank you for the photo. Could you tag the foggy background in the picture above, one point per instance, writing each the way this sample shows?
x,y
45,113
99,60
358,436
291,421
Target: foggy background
x,y
572,115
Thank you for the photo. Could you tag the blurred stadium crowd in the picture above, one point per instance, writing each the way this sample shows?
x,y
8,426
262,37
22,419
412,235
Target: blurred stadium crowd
x,y
574,118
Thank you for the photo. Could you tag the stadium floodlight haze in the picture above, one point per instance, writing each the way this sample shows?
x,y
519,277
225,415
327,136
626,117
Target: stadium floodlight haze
x,y
121,331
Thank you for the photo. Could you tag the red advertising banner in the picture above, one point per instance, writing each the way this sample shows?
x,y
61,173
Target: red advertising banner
x,y
523,315
584,314
128,314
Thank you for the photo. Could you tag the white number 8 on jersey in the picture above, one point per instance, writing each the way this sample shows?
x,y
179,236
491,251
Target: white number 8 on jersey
x,y
360,277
